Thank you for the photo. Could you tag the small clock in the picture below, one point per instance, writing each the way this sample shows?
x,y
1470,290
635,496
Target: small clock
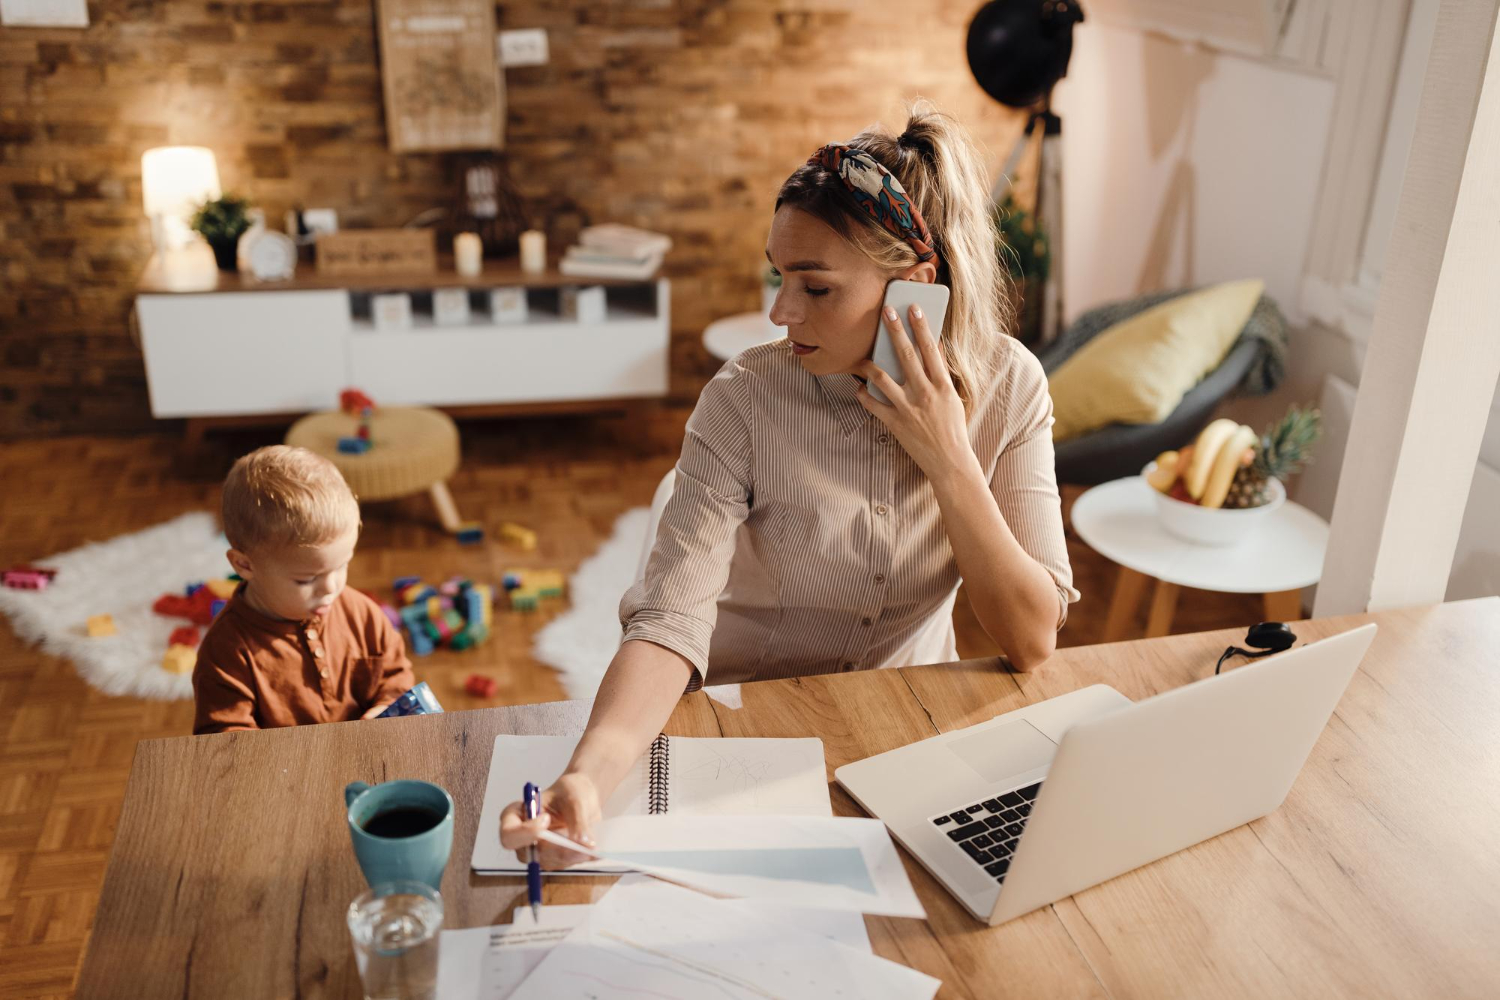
x,y
269,255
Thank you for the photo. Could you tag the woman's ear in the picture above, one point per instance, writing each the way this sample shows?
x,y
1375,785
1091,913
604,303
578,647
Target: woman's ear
x,y
924,271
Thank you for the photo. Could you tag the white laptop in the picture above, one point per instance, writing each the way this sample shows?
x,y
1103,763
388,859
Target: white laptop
x,y
1048,800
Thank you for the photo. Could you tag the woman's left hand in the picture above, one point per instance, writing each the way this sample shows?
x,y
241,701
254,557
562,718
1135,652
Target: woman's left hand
x,y
926,414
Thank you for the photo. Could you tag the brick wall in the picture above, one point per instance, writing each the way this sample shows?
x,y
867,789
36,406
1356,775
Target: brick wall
x,y
681,116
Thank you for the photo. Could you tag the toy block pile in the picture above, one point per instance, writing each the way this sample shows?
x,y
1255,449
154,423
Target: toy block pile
x,y
199,603
527,587
357,404
458,613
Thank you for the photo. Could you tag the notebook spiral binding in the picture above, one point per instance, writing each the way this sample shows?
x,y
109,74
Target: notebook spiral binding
x,y
658,768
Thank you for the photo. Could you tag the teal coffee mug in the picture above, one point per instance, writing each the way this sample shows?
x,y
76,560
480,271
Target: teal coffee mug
x,y
401,830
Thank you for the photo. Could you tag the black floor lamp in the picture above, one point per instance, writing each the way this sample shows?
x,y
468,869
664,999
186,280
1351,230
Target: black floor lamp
x,y
1018,50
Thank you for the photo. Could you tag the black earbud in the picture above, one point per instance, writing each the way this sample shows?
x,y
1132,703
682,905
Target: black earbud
x,y
1265,637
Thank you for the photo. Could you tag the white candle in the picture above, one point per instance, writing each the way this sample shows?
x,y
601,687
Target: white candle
x,y
467,251
533,251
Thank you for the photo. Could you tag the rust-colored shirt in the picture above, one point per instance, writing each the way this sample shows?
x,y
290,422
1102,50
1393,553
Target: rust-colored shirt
x,y
257,672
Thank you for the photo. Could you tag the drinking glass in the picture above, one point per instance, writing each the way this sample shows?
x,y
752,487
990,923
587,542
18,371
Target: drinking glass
x,y
395,929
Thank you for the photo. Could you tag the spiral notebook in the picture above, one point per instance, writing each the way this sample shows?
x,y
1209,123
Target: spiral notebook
x,y
678,775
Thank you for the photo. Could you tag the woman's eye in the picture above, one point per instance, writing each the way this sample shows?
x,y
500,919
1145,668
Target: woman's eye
x,y
304,583
817,291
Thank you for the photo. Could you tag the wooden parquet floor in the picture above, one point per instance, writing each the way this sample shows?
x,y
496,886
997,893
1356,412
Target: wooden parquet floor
x,y
66,749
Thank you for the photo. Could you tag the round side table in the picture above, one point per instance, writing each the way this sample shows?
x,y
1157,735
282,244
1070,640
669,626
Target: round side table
x,y
1118,520
727,337
414,450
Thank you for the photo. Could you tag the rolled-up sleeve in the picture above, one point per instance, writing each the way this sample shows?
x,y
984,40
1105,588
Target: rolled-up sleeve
x,y
1024,483
676,604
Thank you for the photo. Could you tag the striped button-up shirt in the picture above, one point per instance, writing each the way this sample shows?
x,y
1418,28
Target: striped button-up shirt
x,y
801,538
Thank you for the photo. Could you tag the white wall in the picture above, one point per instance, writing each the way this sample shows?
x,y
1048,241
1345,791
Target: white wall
x,y
1185,166
1188,166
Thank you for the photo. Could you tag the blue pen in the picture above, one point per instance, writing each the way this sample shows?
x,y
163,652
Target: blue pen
x,y
532,799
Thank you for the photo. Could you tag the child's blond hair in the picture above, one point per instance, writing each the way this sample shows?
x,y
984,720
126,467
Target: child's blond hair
x,y
286,496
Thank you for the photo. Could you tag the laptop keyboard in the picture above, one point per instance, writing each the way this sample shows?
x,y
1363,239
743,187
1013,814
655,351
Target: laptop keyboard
x,y
987,831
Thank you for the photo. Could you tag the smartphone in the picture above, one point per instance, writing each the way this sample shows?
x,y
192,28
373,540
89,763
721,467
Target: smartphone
x,y
901,296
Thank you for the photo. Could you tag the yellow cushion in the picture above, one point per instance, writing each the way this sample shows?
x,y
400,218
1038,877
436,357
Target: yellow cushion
x,y
1137,371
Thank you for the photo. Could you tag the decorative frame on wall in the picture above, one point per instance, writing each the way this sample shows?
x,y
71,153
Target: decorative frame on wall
x,y
440,75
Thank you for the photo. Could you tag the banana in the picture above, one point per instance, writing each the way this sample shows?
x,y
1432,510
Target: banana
x,y
1226,465
1164,475
1205,450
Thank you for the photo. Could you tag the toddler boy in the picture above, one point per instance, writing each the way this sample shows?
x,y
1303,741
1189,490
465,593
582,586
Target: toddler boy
x,y
293,645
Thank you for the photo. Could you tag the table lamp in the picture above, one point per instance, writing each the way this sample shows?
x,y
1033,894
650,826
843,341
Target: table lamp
x,y
175,180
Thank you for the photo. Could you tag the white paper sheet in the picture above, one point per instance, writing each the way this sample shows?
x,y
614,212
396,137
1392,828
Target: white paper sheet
x,y
488,963
847,927
705,777
831,864
673,944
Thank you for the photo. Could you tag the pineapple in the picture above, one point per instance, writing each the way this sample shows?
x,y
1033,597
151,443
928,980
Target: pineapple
x,y
1283,449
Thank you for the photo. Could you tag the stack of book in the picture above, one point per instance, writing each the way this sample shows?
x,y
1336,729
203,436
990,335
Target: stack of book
x,y
614,251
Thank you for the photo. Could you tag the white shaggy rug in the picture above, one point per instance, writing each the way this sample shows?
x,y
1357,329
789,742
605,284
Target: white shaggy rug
x,y
580,642
122,577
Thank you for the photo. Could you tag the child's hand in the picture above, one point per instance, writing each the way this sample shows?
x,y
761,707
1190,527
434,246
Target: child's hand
x,y
377,708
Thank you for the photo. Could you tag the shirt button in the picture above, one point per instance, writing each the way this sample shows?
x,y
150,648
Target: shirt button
x,y
882,510
880,578
318,652
883,439
865,622
848,666
312,633
325,671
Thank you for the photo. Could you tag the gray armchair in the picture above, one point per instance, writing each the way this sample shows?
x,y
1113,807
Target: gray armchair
x,y
1254,365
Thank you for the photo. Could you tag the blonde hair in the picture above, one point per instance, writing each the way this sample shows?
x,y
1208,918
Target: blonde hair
x,y
286,496
944,176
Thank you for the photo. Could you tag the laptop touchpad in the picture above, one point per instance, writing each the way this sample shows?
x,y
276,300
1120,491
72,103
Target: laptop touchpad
x,y
998,753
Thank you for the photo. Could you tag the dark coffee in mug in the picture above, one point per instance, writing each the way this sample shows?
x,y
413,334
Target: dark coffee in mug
x,y
402,821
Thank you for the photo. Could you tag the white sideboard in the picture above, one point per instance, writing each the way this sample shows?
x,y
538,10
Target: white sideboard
x,y
235,348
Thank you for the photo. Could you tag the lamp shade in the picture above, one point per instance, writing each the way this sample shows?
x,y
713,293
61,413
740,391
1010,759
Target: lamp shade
x,y
177,179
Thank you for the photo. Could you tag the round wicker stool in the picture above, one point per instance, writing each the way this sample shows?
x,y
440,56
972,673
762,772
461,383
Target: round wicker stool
x,y
413,450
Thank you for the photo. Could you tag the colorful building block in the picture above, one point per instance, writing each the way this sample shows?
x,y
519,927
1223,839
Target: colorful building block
x,y
199,609
524,538
221,588
99,626
179,659
187,636
216,607
470,533
420,644
547,582
353,446
512,580
523,599
480,686
402,582
27,578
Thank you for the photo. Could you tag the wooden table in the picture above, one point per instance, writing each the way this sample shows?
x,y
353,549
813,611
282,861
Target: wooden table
x,y
1379,876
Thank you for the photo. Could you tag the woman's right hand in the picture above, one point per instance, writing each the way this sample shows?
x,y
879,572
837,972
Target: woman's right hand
x,y
570,808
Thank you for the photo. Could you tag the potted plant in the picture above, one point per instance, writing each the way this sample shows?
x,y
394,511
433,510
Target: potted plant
x,y
222,221
1027,258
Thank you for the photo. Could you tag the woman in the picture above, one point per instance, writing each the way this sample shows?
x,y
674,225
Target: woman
x,y
813,528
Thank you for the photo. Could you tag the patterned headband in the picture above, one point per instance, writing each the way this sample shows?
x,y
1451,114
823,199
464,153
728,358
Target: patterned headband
x,y
879,193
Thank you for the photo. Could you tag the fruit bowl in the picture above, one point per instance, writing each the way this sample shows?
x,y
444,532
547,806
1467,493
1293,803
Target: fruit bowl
x,y
1214,526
